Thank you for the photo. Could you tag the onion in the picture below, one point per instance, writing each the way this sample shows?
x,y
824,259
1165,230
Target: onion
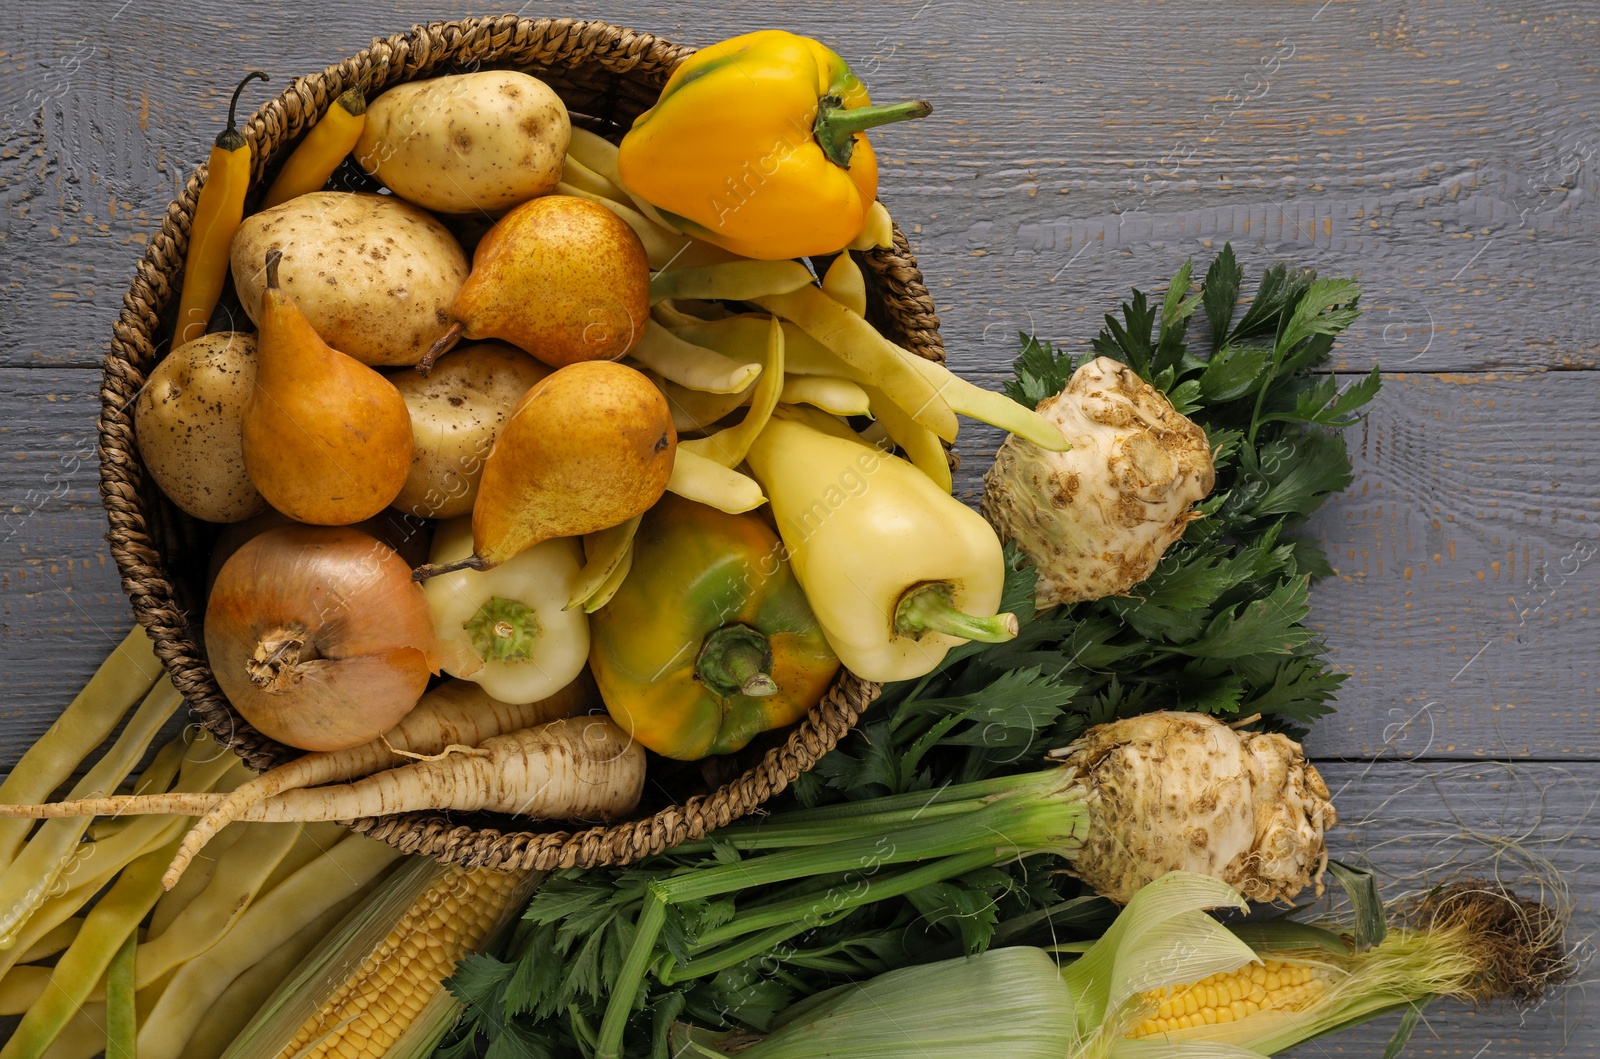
x,y
318,636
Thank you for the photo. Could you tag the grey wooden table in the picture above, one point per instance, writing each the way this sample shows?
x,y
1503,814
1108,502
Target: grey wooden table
x,y
1441,150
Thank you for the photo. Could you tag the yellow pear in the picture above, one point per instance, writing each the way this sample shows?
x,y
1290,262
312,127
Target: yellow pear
x,y
586,449
327,440
559,276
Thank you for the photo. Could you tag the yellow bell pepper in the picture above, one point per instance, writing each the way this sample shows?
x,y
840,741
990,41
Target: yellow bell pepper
x,y
709,642
756,145
897,570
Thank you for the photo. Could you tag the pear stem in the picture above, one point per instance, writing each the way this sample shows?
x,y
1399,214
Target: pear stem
x,y
427,570
440,348
274,256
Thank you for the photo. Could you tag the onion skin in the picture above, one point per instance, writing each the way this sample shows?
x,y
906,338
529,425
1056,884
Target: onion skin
x,y
318,636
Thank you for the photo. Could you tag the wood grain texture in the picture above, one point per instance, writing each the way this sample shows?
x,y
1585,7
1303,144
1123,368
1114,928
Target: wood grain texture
x,y
1442,150
1466,604
1528,826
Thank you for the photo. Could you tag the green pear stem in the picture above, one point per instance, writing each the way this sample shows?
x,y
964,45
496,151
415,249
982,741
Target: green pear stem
x,y
427,570
440,348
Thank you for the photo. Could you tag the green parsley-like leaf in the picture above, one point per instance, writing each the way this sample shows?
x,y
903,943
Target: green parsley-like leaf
x,y
1040,372
1221,292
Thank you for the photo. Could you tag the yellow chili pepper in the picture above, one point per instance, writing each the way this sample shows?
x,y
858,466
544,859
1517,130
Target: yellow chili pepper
x,y
324,147
216,218
897,570
756,145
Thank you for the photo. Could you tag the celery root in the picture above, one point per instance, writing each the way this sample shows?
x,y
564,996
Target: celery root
x,y
458,713
575,768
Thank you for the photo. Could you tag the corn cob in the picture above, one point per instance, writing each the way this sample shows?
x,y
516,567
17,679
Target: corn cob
x,y
369,1011
1228,996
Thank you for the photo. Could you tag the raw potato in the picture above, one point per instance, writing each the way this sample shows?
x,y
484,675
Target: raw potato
x,y
187,419
467,143
375,276
456,411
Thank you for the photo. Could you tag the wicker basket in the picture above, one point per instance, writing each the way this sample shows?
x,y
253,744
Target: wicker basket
x,y
607,75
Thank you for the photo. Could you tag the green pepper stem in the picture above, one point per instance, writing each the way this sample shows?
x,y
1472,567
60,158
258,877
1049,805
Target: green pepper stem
x,y
929,608
835,127
503,630
734,661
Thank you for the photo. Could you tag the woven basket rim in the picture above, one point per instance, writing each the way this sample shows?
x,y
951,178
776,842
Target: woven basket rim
x,y
146,532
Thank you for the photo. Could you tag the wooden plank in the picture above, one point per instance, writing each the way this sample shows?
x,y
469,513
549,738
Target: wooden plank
x,y
1431,151
61,604
1467,601
1417,824
1458,534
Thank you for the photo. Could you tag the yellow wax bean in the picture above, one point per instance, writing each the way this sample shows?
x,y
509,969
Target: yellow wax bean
x,y
708,482
833,395
884,364
126,676
728,447
578,175
878,231
734,280
919,445
602,552
689,365
844,283
989,406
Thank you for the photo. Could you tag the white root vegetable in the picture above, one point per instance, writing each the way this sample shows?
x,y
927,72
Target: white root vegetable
x,y
457,713
1096,520
1184,792
579,768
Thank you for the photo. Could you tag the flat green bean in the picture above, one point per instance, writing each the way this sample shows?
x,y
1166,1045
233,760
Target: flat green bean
x,y
127,674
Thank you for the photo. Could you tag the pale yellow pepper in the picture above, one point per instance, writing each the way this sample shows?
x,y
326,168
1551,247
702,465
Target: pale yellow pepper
x,y
897,570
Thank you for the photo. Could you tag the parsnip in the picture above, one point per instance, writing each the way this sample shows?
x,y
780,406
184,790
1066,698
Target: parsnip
x,y
583,768
458,713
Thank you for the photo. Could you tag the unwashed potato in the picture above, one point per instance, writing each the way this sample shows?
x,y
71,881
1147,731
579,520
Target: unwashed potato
x,y
188,421
456,411
468,142
375,276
